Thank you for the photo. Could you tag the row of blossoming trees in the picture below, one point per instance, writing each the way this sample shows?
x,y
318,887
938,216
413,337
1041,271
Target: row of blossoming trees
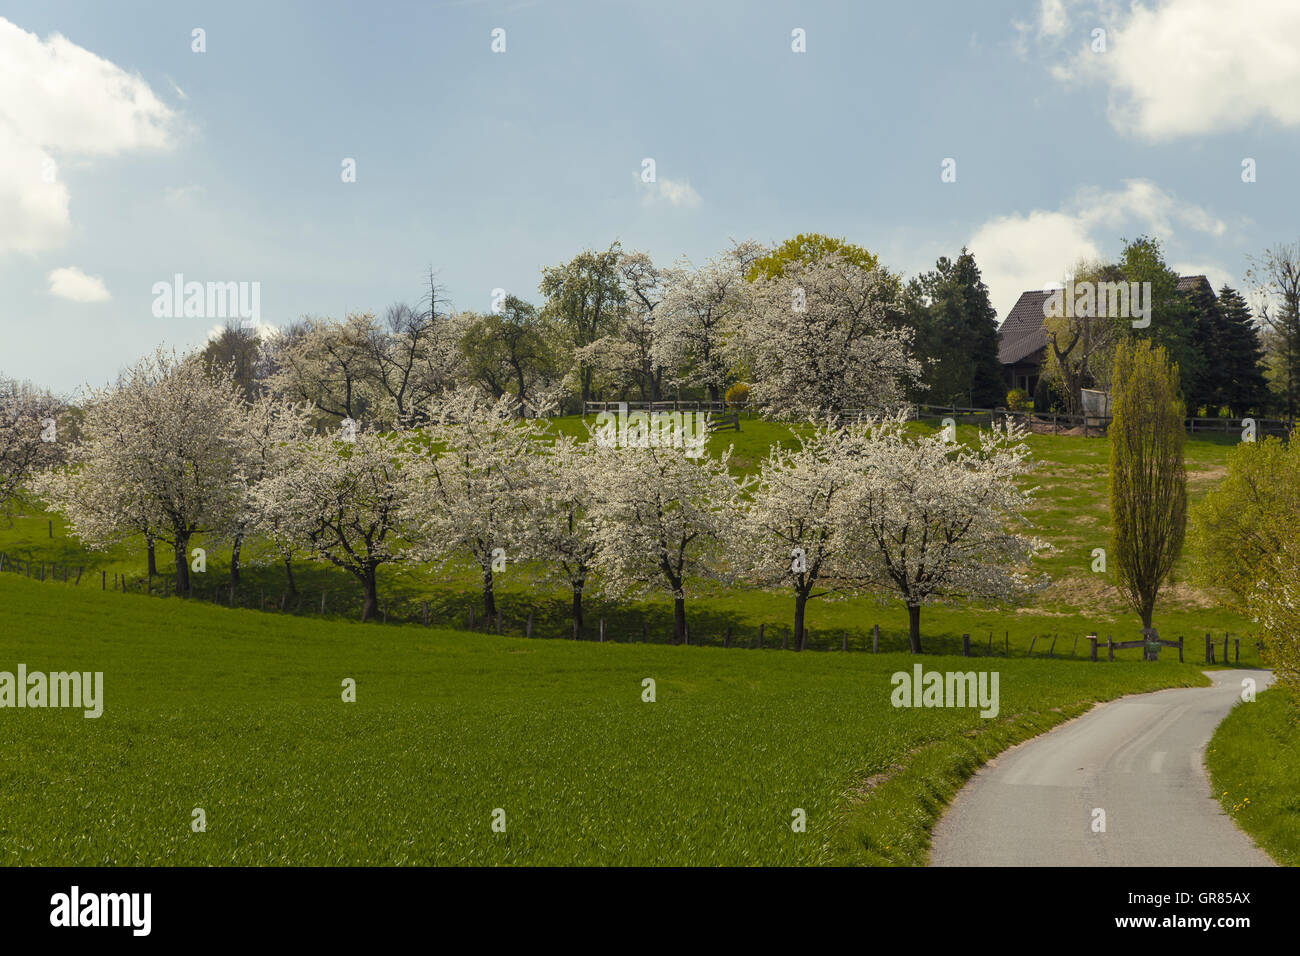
x,y
812,325
174,450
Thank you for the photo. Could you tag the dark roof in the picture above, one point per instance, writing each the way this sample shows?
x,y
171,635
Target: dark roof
x,y
1021,333
1189,283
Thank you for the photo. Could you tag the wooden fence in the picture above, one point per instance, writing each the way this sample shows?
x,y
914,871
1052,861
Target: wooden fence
x,y
726,635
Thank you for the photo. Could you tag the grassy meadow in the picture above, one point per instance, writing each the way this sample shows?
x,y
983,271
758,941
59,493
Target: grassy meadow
x,y
1071,514
239,711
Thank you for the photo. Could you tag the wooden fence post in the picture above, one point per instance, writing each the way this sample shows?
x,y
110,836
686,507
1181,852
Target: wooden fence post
x,y
785,637
1180,648
875,639
1236,650
602,630
990,643
1075,645
1225,647
760,635
103,580
1209,650
1092,653
1052,650
322,599
965,645
726,638
1006,643
78,581
1110,648
1031,645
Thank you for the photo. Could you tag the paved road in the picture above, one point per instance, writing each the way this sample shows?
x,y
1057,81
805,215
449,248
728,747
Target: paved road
x,y
1138,758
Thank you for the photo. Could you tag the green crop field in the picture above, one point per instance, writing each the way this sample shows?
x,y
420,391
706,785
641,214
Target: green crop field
x,y
240,712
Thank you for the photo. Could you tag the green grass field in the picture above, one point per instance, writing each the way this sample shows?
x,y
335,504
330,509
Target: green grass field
x,y
240,713
1254,763
1071,515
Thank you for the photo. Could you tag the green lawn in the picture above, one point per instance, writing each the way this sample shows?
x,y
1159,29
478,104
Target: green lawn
x,y
1254,763
240,713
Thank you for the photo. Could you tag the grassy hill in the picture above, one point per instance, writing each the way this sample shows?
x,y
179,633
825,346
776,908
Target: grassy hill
x,y
1071,514
240,713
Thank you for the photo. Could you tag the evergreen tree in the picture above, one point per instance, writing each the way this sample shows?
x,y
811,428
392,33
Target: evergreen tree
x,y
1209,334
956,333
1239,353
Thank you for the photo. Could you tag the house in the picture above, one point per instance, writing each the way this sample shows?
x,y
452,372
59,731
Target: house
x,y
1022,339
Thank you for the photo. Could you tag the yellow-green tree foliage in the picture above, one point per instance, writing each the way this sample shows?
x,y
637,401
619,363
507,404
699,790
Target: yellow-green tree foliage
x,y
1241,523
1246,531
1148,480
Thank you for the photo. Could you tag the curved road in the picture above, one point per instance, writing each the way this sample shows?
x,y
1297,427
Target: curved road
x,y
1139,758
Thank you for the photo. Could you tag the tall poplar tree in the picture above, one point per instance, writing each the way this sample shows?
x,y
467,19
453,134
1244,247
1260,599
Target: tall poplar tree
x,y
1148,479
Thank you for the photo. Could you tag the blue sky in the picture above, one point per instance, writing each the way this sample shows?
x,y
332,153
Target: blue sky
x,y
225,165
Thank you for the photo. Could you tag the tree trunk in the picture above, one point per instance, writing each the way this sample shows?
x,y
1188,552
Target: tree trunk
x,y
288,573
153,562
234,558
182,563
914,627
489,597
800,602
371,604
679,620
577,610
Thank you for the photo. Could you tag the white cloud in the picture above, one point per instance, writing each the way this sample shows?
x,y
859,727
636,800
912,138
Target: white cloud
x,y
1188,67
1034,251
1017,253
74,285
263,331
58,99
676,192
1052,18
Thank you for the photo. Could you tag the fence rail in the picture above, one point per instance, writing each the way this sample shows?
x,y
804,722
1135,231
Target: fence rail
x,y
622,629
